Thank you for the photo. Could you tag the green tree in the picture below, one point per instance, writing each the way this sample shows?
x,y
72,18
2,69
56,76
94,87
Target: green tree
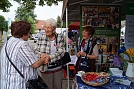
x,y
3,25
58,22
33,24
23,14
5,5
29,4
64,25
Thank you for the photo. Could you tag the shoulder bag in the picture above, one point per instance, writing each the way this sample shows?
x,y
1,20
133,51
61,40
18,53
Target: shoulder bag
x,y
64,60
30,84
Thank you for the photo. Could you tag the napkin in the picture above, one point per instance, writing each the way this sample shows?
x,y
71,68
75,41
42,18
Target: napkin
x,y
122,81
116,72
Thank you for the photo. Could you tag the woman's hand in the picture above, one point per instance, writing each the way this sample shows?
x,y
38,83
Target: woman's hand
x,y
78,54
83,54
42,55
42,60
47,59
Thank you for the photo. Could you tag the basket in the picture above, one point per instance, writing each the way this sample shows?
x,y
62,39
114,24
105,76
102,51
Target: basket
x,y
101,74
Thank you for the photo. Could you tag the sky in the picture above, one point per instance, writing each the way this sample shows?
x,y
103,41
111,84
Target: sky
x,y
42,13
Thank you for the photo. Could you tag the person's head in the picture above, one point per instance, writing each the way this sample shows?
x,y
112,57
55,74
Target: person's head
x,y
50,27
75,33
69,30
88,32
21,29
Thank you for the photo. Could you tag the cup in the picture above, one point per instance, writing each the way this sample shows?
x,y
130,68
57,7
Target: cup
x,y
80,73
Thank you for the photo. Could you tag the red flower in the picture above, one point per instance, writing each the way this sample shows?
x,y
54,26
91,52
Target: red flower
x,y
54,44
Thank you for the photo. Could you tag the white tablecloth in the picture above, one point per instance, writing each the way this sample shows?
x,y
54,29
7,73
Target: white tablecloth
x,y
73,59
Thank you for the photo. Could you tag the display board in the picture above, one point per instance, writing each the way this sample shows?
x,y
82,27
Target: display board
x,y
129,31
106,21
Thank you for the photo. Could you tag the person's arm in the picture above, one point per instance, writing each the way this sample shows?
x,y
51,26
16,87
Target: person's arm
x,y
27,56
37,48
78,54
60,49
38,63
94,55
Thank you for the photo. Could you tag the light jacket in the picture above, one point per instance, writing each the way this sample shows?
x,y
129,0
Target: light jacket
x,y
43,45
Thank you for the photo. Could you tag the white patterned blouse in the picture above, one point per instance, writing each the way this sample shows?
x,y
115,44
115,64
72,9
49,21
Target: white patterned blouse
x,y
22,55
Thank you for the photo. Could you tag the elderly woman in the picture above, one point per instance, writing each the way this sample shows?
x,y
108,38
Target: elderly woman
x,y
52,45
88,51
22,56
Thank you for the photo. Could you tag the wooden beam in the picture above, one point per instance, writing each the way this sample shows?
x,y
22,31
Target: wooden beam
x,y
64,8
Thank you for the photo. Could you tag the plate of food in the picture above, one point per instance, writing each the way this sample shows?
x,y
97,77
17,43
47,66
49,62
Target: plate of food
x,y
95,78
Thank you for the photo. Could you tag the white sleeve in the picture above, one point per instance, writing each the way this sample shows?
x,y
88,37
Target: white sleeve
x,y
27,55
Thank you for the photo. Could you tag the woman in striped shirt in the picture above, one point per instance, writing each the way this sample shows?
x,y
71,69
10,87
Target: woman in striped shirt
x,y
22,56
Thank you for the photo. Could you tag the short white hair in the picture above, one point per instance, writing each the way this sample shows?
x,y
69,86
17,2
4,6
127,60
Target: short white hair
x,y
51,21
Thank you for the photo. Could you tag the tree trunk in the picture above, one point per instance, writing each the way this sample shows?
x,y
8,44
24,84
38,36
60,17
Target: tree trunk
x,y
0,35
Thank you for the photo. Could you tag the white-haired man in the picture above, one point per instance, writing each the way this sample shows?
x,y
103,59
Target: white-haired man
x,y
52,45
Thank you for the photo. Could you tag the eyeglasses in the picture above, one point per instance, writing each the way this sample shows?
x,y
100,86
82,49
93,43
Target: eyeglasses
x,y
49,28
84,32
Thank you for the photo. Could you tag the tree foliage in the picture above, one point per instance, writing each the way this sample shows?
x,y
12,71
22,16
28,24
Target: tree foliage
x,y
3,24
5,5
29,4
59,22
33,24
23,14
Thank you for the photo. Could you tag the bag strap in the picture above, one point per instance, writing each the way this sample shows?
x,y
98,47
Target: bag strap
x,y
56,35
12,63
93,44
88,47
56,38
